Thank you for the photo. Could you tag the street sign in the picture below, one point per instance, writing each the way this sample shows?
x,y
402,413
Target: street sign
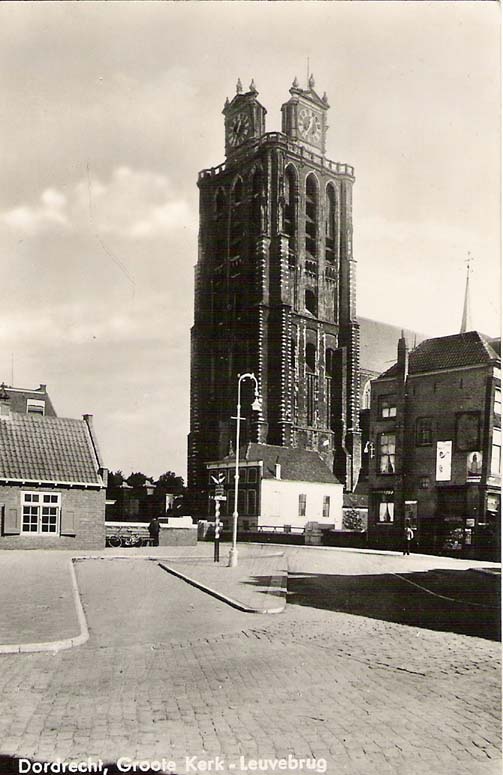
x,y
219,489
220,497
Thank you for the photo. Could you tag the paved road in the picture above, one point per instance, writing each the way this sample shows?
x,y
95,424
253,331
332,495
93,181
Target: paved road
x,y
169,672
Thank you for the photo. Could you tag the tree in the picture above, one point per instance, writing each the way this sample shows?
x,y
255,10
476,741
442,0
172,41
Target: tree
x,y
137,479
115,479
170,482
352,520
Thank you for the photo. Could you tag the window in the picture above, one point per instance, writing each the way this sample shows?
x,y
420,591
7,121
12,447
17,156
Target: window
x,y
467,431
385,507
497,400
424,431
289,218
41,512
387,406
257,204
311,357
252,475
496,452
310,301
34,406
311,215
252,502
424,482
326,506
366,395
302,505
330,225
237,221
387,443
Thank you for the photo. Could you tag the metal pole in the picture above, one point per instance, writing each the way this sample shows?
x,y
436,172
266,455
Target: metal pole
x,y
233,554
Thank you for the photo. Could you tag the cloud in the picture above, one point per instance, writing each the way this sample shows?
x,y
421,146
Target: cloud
x,y
131,204
48,213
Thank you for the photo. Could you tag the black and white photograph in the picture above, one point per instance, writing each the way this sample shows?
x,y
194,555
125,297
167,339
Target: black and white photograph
x,y
250,387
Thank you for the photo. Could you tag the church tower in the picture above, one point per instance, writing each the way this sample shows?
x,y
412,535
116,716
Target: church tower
x,y
275,290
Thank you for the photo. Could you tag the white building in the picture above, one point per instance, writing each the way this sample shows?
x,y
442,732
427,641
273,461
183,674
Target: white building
x,y
278,486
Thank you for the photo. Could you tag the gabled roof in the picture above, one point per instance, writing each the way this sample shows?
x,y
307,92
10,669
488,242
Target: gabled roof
x,y
302,465
448,352
47,449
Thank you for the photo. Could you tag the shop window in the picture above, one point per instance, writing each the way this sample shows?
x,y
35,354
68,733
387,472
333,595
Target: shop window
x,y
424,431
41,512
385,506
387,447
387,407
302,505
496,452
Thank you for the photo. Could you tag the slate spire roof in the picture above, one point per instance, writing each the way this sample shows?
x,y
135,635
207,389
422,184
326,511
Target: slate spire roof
x,y
47,450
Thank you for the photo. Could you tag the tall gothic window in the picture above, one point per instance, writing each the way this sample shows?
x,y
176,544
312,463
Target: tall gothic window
x,y
330,226
329,374
311,215
311,383
310,301
289,224
220,226
257,203
237,220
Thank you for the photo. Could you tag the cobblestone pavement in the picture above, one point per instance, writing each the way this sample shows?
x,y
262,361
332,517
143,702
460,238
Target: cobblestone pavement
x,y
169,672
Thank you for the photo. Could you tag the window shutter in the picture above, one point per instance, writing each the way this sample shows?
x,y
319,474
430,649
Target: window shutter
x,y
68,523
12,522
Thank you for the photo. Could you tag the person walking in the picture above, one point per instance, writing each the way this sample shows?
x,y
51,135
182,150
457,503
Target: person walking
x,y
153,530
407,538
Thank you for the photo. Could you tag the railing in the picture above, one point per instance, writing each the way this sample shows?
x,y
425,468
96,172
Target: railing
x,y
296,148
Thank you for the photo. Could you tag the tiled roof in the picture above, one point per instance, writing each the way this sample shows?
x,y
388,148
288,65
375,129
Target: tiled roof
x,y
449,352
46,449
302,465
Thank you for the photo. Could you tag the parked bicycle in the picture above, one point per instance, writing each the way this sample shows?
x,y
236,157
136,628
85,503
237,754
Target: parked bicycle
x,y
123,536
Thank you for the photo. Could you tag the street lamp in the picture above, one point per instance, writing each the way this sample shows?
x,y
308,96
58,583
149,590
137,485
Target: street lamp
x,y
256,406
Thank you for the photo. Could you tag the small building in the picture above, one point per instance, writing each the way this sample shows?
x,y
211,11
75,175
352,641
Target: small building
x,y
52,481
278,486
435,434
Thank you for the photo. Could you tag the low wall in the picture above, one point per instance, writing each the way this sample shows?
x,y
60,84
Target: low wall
x,y
351,539
178,536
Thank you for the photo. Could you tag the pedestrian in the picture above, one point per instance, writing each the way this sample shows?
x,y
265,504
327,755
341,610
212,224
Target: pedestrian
x,y
407,538
153,530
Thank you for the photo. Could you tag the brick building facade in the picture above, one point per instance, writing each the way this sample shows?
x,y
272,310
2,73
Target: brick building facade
x,y
275,292
52,481
435,432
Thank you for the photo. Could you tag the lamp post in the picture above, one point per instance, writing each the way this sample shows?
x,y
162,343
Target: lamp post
x,y
256,406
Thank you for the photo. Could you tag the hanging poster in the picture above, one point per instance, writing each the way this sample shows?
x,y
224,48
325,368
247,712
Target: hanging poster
x,y
444,460
474,466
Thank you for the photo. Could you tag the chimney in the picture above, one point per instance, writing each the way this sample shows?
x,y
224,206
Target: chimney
x,y
43,388
4,400
277,469
403,357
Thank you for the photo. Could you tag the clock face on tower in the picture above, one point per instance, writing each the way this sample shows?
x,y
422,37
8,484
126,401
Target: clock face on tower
x,y
309,125
239,129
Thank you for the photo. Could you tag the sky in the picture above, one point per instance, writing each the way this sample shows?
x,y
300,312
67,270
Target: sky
x,y
111,109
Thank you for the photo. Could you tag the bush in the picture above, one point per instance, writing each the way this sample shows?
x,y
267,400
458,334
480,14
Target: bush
x,y
352,520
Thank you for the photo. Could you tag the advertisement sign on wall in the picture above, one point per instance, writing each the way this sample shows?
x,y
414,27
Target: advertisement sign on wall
x,y
444,461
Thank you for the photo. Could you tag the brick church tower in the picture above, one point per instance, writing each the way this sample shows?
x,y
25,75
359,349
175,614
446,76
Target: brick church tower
x,y
275,291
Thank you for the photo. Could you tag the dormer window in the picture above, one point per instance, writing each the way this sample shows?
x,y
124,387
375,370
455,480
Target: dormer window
x,y
35,406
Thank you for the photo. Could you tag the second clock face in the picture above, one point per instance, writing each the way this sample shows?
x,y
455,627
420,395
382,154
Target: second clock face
x,y
309,125
239,129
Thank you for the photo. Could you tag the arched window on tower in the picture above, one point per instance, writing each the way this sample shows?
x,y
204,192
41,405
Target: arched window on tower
x,y
366,395
289,224
257,203
237,221
311,216
329,383
330,226
220,227
310,301
311,383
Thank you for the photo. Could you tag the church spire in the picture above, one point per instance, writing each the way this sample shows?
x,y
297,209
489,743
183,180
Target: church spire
x,y
466,324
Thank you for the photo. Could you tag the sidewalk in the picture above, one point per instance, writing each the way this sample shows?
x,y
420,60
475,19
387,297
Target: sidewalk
x,y
41,609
